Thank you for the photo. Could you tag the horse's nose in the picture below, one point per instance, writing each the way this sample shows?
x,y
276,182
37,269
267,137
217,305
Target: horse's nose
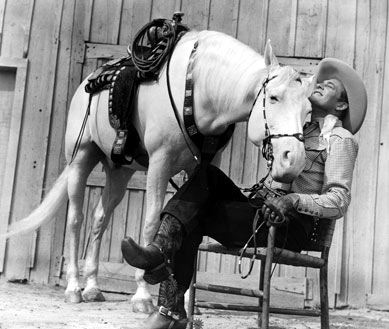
x,y
292,159
289,162
286,156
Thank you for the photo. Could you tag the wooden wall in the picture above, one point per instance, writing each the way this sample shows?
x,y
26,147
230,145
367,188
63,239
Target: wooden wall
x,y
56,38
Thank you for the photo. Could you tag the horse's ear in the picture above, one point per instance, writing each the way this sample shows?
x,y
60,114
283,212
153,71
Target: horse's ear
x,y
310,81
270,58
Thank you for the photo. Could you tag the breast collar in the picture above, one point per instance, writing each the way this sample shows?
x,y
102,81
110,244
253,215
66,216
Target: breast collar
x,y
208,145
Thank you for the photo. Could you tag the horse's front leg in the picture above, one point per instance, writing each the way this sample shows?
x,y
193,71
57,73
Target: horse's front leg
x,y
157,178
114,190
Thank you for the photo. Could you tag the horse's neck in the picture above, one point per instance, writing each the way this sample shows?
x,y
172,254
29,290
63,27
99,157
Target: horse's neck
x,y
223,100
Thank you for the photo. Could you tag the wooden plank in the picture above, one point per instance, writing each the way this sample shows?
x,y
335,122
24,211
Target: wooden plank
x,y
335,262
369,62
105,23
56,158
135,14
141,222
282,26
80,22
340,41
252,23
16,28
85,229
107,51
7,89
2,11
105,248
42,258
165,8
119,221
135,215
238,147
224,16
381,246
196,14
310,28
88,14
90,65
306,65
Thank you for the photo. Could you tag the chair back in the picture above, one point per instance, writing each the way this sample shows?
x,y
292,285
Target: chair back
x,y
321,237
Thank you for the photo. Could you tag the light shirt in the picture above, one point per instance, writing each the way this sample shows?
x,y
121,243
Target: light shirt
x,y
324,186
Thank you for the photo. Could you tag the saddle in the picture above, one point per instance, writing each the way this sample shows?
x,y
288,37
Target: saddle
x,y
151,47
119,76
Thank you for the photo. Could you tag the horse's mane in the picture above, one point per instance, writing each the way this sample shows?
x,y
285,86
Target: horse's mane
x,y
230,70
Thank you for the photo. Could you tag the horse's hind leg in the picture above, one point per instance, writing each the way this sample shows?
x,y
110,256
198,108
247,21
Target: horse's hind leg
x,y
115,187
87,157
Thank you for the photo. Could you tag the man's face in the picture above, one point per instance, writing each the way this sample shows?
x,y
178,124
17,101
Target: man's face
x,y
327,95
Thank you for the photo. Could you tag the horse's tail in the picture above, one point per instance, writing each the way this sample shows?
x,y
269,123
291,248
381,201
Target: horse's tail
x,y
46,211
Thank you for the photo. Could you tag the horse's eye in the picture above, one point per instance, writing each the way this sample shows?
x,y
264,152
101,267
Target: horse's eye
x,y
299,80
273,99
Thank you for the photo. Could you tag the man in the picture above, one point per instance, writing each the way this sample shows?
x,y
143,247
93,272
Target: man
x,y
210,204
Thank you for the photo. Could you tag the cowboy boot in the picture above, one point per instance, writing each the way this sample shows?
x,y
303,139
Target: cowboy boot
x,y
171,312
156,258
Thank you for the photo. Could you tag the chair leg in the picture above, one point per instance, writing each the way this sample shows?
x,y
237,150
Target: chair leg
x,y
324,307
260,299
267,277
192,296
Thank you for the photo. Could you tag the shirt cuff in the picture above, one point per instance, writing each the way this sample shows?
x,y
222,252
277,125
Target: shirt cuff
x,y
307,204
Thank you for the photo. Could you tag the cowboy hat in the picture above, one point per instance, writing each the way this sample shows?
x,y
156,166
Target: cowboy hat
x,y
332,68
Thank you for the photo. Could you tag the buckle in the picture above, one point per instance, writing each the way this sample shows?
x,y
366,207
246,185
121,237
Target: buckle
x,y
166,312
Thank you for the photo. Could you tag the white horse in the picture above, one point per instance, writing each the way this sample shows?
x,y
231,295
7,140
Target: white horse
x,y
228,77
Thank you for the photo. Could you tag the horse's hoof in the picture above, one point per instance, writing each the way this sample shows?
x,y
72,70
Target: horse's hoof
x,y
142,306
93,295
73,297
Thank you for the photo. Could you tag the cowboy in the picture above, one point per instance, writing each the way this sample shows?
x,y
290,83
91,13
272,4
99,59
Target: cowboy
x,y
209,203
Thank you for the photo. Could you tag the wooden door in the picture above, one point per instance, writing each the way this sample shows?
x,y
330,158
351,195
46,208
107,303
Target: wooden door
x,y
13,73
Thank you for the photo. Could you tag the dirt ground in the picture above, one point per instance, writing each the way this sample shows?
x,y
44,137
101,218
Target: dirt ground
x,y
27,306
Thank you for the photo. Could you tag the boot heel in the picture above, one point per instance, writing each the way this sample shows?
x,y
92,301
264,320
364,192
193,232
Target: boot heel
x,y
157,274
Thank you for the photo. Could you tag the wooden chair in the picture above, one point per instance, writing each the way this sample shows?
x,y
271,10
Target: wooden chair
x,y
320,241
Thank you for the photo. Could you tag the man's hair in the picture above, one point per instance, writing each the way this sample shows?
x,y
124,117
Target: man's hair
x,y
344,98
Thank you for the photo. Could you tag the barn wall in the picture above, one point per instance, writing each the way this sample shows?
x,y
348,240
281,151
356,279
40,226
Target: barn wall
x,y
53,37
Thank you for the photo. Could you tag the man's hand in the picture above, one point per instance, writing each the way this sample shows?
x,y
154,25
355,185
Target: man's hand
x,y
274,210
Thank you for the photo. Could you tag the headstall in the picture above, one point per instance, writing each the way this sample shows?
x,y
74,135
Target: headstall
x,y
267,147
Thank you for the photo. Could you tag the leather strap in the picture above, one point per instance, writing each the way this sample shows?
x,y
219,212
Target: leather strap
x,y
208,145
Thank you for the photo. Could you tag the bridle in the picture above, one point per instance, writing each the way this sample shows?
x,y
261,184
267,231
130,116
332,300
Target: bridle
x,y
267,146
260,190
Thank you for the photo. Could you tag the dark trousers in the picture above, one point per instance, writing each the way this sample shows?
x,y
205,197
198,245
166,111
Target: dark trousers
x,y
210,204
